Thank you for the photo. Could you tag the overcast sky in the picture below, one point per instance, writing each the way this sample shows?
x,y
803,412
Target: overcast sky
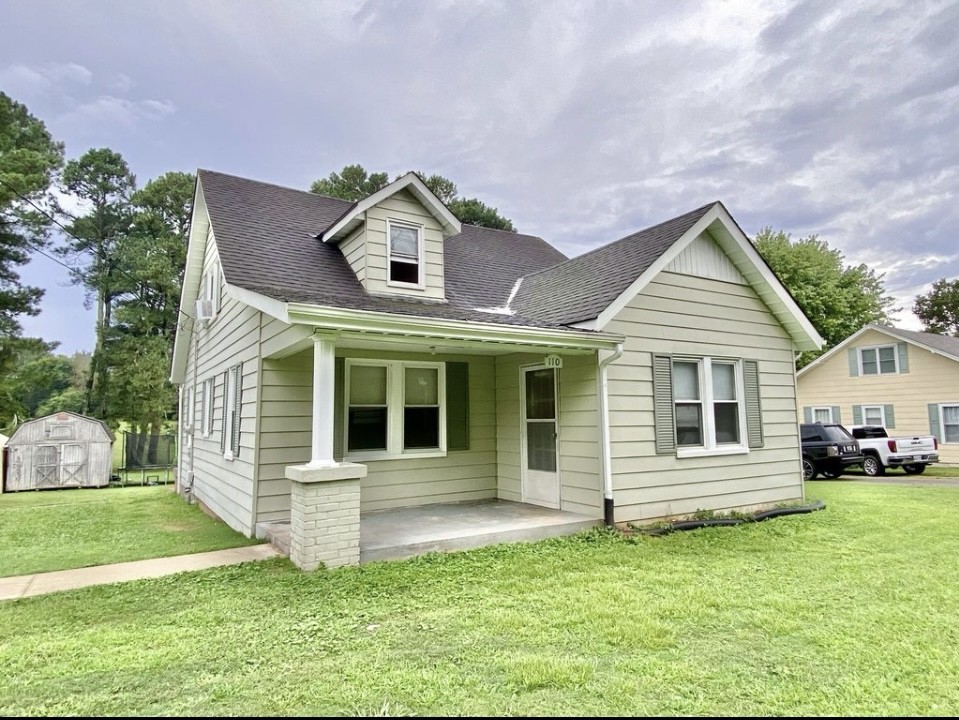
x,y
582,122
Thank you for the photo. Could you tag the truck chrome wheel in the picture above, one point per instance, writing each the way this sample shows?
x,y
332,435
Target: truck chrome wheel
x,y
872,467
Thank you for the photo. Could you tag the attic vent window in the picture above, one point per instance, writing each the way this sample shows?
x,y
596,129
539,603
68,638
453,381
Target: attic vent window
x,y
406,247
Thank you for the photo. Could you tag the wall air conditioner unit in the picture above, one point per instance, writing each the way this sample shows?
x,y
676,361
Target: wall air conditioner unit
x,y
204,310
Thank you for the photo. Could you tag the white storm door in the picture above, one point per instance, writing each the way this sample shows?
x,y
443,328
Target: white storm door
x,y
539,437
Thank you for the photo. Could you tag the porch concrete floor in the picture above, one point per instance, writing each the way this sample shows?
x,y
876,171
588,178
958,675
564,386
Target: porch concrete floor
x,y
408,532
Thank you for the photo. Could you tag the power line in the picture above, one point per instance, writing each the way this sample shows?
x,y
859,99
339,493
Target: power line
x,y
84,245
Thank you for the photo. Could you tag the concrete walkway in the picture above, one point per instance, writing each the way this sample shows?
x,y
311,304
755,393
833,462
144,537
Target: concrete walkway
x,y
20,586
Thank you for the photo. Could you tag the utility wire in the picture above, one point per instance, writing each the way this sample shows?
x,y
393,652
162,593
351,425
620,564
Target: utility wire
x,y
83,244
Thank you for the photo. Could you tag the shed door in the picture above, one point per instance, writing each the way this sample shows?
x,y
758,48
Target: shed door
x,y
46,462
72,460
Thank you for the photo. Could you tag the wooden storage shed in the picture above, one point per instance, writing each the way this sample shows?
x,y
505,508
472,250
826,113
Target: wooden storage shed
x,y
64,450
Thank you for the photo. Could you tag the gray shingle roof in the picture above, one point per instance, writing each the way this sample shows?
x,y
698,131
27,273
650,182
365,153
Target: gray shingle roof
x,y
581,288
266,239
943,343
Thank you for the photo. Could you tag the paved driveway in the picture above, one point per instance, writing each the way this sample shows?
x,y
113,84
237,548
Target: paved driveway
x,y
902,479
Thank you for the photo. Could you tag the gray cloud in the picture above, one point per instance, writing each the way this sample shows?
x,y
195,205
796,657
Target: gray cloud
x,y
582,121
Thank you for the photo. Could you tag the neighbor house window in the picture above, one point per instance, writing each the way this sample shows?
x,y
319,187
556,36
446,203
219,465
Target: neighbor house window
x,y
949,417
873,415
707,394
395,408
405,253
882,360
822,414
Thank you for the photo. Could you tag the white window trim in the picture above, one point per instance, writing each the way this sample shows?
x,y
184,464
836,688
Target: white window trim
x,y
229,398
395,404
882,413
942,422
206,411
710,446
827,408
877,348
190,402
421,252
211,289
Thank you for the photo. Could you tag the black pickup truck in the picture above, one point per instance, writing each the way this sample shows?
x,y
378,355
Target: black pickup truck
x,y
828,449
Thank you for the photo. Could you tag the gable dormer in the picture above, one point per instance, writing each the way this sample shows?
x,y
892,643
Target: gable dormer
x,y
393,240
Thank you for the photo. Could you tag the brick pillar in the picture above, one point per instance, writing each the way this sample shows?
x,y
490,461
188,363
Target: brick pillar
x,y
325,515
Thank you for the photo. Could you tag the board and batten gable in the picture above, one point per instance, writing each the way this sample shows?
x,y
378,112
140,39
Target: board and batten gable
x,y
926,378
404,207
230,339
700,306
577,389
286,412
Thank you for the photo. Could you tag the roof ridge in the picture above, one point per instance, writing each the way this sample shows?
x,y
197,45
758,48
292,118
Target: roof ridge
x,y
272,184
619,240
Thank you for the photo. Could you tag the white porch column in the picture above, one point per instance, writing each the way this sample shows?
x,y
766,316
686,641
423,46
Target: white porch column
x,y
324,347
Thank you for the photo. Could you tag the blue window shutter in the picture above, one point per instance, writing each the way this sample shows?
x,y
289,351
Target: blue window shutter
x,y
890,412
807,414
457,406
754,410
663,404
857,414
853,362
903,349
934,427
836,414
338,376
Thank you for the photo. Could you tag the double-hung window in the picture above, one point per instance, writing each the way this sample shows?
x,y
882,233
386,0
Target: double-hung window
x,y
405,245
949,417
873,415
822,414
394,409
709,411
206,409
880,360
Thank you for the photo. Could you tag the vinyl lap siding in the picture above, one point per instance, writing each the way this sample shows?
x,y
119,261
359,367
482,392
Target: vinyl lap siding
x,y
579,467
225,486
354,250
403,206
681,314
931,379
286,409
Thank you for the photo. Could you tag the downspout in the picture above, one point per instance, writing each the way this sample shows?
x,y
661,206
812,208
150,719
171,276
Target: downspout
x,y
604,433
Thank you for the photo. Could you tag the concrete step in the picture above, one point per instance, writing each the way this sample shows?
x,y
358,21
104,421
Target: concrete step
x,y
278,533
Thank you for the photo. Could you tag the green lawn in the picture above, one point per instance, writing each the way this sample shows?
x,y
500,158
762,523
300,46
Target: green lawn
x,y
55,530
849,611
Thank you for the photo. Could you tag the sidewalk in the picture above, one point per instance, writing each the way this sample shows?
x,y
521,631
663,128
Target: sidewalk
x,y
20,586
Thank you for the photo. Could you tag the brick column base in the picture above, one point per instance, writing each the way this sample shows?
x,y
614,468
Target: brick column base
x,y
325,515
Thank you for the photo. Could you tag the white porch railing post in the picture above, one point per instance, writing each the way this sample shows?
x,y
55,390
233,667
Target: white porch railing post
x,y
324,348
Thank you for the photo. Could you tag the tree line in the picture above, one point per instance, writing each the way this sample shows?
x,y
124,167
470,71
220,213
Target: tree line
x,y
126,247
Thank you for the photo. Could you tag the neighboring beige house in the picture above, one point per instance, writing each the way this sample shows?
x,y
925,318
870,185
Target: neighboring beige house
x,y
385,353
907,381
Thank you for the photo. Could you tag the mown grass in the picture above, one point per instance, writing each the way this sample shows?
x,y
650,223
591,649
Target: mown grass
x,y
56,530
849,611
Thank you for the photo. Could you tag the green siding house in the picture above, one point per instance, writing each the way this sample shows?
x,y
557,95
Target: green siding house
x,y
346,360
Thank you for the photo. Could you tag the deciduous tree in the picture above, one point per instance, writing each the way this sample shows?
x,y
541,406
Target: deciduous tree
x,y
939,308
838,299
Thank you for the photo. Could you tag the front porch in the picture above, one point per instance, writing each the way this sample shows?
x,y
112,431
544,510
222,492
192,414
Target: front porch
x,y
407,532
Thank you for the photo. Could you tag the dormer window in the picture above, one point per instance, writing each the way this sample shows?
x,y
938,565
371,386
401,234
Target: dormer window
x,y
405,254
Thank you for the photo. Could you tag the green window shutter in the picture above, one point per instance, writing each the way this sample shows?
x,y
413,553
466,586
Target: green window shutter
x,y
457,406
890,412
903,349
226,381
237,408
853,362
339,373
663,404
807,414
754,409
836,414
934,428
857,414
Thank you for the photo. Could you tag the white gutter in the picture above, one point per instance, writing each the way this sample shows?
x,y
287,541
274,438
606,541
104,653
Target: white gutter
x,y
604,433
